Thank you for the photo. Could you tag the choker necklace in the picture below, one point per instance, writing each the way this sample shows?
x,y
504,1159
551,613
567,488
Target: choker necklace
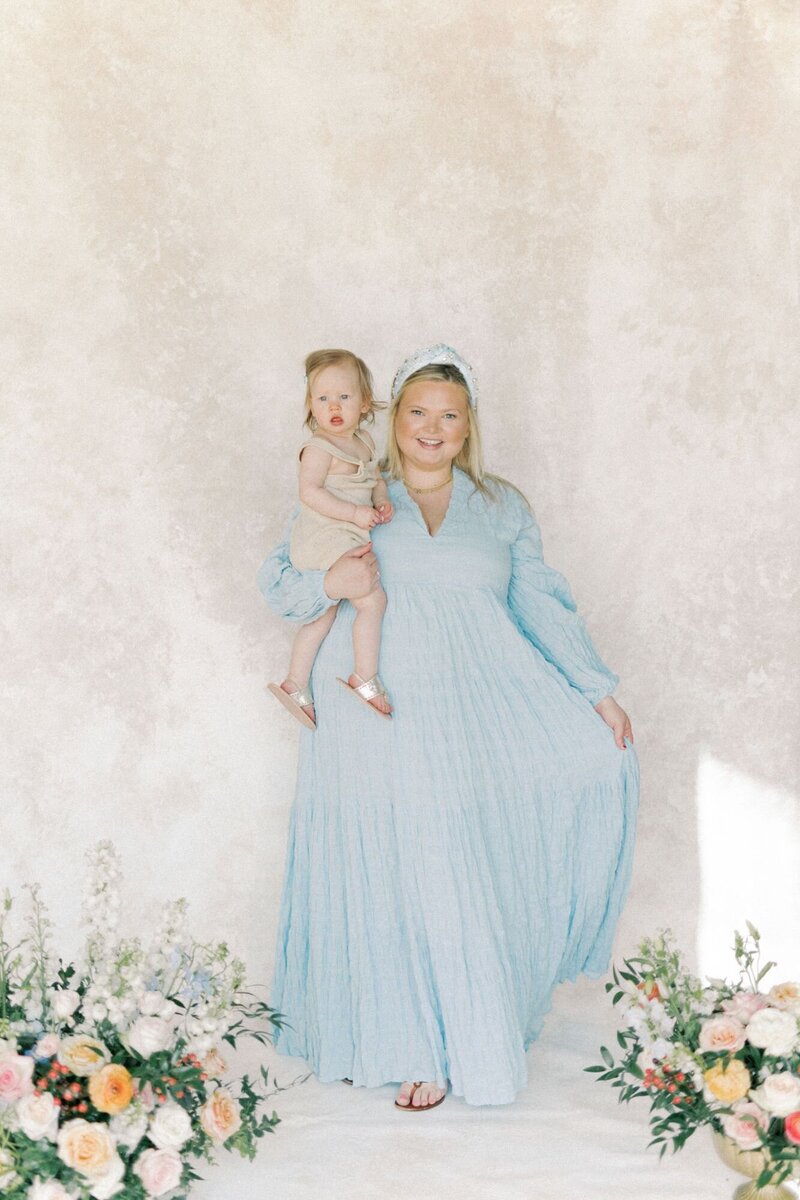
x,y
411,488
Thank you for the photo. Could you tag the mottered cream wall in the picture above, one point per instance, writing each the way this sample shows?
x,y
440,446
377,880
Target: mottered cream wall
x,y
595,202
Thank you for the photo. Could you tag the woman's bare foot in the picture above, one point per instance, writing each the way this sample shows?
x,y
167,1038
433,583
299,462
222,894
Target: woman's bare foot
x,y
379,702
289,685
419,1097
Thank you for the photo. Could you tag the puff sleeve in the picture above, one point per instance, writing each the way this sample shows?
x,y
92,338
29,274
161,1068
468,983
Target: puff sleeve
x,y
295,595
542,606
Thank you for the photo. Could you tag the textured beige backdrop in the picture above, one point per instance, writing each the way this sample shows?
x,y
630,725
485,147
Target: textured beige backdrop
x,y
595,201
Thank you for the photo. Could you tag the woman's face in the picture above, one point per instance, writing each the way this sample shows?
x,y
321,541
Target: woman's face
x,y
431,424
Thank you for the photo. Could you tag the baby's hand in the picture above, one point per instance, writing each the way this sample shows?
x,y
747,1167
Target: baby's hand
x,y
386,511
365,517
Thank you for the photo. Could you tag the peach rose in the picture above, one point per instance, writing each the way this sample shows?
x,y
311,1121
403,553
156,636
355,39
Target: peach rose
x,y
87,1147
786,995
730,1083
16,1077
219,1116
111,1089
82,1054
159,1171
214,1064
743,1124
721,1033
791,1127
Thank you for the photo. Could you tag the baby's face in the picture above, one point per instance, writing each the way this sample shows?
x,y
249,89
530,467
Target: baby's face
x,y
336,400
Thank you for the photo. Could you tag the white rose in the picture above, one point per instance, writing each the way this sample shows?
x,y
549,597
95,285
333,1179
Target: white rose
x,y
63,1002
149,1035
170,1126
779,1094
8,1047
37,1115
150,1003
47,1045
159,1171
129,1127
111,1183
48,1189
773,1030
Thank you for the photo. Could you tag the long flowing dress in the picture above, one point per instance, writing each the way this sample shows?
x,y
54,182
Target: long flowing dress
x,y
448,868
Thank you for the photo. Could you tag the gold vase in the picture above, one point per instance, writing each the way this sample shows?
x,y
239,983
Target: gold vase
x,y
750,1163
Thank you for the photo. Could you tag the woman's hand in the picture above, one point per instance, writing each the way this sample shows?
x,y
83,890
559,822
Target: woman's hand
x,y
385,511
353,575
617,720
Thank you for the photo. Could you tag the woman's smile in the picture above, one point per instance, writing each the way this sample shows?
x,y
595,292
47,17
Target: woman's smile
x,y
431,425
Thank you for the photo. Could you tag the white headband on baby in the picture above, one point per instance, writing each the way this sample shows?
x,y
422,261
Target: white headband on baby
x,y
440,355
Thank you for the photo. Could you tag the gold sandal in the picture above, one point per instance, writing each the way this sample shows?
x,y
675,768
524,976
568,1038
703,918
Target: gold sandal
x,y
294,701
367,690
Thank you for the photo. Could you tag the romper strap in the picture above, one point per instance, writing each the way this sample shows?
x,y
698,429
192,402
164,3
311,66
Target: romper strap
x,y
334,451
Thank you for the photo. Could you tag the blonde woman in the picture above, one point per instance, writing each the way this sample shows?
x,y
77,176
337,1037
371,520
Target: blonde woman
x,y
447,870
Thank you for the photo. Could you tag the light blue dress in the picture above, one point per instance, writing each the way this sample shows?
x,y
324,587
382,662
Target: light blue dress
x,y
446,869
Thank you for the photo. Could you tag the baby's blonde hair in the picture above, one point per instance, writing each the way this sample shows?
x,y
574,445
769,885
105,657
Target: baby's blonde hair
x,y
318,359
469,457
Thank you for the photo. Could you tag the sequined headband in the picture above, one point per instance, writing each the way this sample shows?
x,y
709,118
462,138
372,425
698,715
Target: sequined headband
x,y
440,355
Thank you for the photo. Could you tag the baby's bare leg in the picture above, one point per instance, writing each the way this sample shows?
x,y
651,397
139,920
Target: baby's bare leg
x,y
367,639
305,647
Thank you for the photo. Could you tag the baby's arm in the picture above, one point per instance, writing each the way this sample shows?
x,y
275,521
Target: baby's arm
x,y
314,466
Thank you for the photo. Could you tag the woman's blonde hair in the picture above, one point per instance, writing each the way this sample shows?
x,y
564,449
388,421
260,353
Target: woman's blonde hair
x,y
469,457
318,359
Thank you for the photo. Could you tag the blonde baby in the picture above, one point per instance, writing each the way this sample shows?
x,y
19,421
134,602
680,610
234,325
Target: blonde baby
x,y
342,497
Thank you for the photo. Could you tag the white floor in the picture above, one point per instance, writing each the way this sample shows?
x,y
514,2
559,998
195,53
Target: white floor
x,y
565,1137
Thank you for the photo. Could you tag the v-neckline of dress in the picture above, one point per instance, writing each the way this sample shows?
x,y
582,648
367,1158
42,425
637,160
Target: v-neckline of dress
x,y
455,494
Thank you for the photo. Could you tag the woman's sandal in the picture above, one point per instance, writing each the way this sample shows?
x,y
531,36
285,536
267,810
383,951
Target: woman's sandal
x,y
294,701
367,690
411,1107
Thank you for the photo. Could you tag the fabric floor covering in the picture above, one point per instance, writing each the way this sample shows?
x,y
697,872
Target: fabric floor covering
x,y
565,1137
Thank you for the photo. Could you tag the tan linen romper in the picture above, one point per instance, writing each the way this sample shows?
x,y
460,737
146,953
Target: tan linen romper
x,y
317,541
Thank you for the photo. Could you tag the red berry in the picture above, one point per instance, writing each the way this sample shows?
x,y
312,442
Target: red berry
x,y
671,1087
676,1100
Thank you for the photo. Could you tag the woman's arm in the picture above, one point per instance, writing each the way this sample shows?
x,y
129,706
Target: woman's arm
x,y
541,601
303,596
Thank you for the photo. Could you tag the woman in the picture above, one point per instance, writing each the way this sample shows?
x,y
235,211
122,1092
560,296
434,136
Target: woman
x,y
446,869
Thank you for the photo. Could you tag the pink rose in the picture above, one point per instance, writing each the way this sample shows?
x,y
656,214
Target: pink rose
x,y
16,1077
743,1005
743,1125
791,1128
159,1171
722,1033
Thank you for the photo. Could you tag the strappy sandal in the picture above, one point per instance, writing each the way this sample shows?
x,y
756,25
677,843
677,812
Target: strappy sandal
x,y
367,690
411,1107
294,701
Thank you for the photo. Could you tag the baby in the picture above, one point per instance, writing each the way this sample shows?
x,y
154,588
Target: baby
x,y
342,496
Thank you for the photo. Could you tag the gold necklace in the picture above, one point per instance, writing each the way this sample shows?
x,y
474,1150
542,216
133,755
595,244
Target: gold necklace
x,y
411,487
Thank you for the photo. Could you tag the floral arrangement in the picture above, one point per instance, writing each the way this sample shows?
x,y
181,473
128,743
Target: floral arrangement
x,y
725,1055
111,1072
